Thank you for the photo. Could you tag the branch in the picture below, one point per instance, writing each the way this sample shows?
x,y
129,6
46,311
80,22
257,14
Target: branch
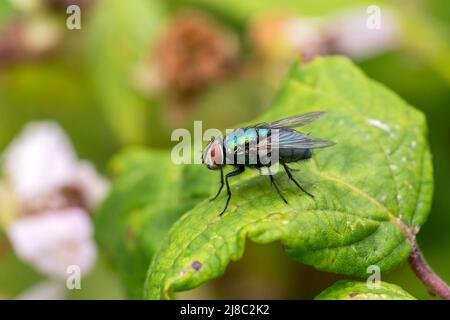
x,y
425,273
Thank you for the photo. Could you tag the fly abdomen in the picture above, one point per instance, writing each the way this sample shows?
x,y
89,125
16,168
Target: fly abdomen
x,y
294,155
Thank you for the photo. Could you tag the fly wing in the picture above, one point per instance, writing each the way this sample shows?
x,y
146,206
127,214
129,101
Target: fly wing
x,y
294,121
294,140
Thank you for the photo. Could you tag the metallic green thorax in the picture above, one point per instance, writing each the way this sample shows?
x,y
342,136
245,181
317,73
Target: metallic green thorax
x,y
238,139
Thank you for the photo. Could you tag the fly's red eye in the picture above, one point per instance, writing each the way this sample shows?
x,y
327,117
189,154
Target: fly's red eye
x,y
216,155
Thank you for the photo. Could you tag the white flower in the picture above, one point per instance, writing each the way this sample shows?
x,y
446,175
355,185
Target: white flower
x,y
47,223
93,186
40,160
306,35
351,35
54,240
45,290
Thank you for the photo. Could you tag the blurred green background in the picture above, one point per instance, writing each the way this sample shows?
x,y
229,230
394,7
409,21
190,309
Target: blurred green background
x,y
120,81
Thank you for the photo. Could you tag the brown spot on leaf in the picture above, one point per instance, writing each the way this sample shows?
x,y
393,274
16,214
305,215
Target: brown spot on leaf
x,y
196,265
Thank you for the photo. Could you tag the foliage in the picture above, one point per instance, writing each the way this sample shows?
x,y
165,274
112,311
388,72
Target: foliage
x,y
149,194
371,188
352,290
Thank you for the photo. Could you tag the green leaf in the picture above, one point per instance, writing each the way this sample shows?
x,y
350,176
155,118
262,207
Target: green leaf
x,y
352,290
371,189
119,39
149,193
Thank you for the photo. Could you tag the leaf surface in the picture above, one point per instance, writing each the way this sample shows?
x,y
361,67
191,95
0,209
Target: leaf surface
x,y
353,290
371,190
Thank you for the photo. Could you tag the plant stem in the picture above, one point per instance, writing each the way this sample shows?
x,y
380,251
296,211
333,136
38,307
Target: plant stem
x,y
425,273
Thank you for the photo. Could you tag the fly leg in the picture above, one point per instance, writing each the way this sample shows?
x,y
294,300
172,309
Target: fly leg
x,y
222,182
236,172
272,181
288,171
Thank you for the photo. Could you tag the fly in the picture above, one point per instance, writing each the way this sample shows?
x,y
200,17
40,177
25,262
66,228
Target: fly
x,y
277,137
